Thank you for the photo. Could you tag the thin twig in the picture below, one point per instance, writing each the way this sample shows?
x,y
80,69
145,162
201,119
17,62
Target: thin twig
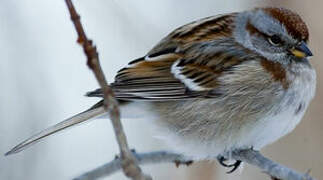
x,y
129,165
249,156
142,158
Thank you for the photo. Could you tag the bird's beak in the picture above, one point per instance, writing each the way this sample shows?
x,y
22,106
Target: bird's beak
x,y
301,51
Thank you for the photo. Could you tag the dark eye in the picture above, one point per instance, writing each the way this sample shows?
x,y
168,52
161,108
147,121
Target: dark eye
x,y
275,40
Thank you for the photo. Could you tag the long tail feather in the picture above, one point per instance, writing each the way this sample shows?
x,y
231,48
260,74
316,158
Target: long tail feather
x,y
96,110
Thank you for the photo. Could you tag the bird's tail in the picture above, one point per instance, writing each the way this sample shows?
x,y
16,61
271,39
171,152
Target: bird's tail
x,y
94,111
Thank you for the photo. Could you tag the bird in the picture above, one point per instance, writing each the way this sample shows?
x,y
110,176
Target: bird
x,y
228,82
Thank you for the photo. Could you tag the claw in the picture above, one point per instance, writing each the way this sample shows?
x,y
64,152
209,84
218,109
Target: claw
x,y
221,160
235,166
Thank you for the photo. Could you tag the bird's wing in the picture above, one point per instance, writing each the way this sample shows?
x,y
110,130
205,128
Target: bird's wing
x,y
184,65
202,30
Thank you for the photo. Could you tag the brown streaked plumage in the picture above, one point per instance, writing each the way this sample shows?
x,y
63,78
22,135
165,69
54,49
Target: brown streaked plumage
x,y
203,30
143,68
207,30
154,71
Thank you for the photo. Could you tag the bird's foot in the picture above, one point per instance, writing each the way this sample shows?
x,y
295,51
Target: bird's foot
x,y
235,165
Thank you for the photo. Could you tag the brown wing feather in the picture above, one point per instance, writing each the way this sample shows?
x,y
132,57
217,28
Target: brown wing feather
x,y
149,80
206,29
174,69
200,71
153,70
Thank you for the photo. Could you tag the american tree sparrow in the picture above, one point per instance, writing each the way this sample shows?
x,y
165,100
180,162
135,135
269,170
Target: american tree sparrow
x,y
218,84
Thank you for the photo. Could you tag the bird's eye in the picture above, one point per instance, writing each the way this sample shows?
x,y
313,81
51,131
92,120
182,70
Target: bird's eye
x,y
275,40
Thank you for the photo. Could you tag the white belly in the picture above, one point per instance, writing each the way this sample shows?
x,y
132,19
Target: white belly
x,y
293,107
203,144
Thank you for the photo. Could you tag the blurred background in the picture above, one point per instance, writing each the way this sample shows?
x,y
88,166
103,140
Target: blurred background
x,y
44,77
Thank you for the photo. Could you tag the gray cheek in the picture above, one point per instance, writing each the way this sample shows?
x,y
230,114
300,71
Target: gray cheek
x,y
261,46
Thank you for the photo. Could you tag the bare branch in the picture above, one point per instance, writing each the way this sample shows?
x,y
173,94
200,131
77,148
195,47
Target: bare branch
x,y
249,156
129,165
142,158
270,167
